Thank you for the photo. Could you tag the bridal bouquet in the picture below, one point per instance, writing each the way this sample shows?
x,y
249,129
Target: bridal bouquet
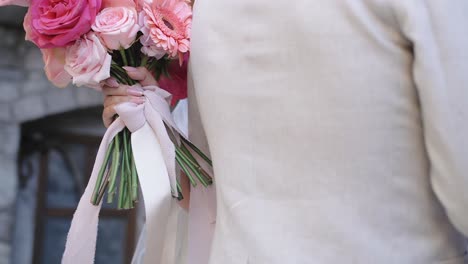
x,y
91,42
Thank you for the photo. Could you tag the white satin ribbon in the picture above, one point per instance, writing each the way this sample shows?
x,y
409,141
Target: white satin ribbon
x,y
154,155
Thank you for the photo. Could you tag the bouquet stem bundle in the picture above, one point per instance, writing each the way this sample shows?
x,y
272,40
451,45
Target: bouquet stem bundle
x,y
118,174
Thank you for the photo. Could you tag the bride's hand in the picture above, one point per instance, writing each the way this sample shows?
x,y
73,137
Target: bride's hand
x,y
115,93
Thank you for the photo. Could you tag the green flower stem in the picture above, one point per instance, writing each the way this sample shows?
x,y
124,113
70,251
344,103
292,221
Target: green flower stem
x,y
186,171
130,57
144,61
197,165
102,170
123,204
117,75
125,163
198,151
134,176
192,168
193,165
128,197
126,173
115,165
180,197
123,175
121,193
127,147
186,157
123,75
102,190
152,67
124,57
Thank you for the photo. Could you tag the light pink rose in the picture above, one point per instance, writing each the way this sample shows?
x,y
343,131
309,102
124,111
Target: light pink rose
x,y
54,60
57,23
87,61
14,2
117,27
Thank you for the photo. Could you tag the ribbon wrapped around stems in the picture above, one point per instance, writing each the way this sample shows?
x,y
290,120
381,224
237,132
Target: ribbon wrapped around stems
x,y
154,155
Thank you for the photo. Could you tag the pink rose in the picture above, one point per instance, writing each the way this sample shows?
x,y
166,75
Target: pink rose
x,y
54,60
87,61
117,27
57,23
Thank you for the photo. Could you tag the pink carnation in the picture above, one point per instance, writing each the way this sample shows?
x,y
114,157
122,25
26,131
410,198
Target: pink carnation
x,y
166,26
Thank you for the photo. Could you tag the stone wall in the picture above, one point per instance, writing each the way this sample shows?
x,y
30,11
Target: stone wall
x,y
25,95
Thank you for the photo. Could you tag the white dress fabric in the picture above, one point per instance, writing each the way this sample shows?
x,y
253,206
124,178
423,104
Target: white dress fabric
x,y
338,130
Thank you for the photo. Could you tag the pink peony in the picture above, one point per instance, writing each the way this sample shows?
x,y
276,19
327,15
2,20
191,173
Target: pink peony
x,y
117,27
166,26
54,60
87,61
176,84
57,23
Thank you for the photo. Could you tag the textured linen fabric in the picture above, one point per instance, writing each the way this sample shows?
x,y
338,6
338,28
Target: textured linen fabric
x,y
338,129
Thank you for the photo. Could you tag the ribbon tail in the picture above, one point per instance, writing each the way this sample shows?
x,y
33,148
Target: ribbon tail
x,y
156,190
81,240
155,120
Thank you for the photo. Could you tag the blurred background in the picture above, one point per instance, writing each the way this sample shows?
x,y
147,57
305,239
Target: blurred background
x,y
48,141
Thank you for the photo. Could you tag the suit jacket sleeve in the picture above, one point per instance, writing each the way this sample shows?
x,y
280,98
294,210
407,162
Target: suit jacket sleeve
x,y
202,212
438,32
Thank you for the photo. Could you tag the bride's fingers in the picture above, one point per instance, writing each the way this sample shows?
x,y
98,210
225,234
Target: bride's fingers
x,y
109,106
142,75
108,115
111,82
119,90
117,99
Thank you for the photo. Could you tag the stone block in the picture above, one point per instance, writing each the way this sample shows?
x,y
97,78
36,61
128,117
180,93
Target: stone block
x,y
8,178
9,57
29,108
10,37
5,252
9,91
60,100
12,74
36,82
11,18
87,97
5,112
6,224
9,139
33,59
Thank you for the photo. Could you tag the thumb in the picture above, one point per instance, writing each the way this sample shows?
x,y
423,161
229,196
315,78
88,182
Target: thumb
x,y
141,74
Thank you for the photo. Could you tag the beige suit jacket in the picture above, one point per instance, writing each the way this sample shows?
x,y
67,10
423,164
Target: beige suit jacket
x,y
338,129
